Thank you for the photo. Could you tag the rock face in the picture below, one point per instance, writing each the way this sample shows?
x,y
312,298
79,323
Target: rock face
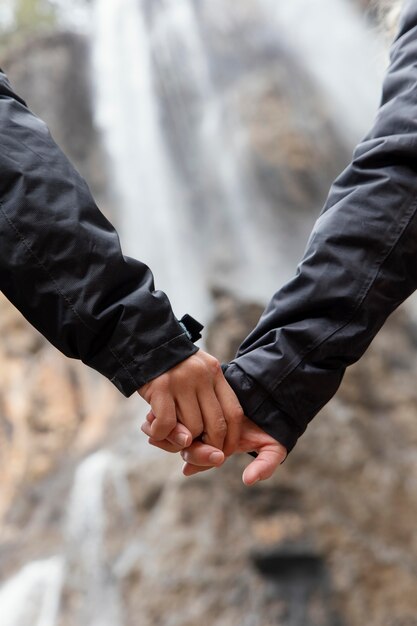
x,y
360,463
46,401
353,477
52,74
328,541
97,528
49,405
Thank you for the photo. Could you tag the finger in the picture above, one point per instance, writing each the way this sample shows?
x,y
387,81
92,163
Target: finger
x,y
232,412
163,407
179,437
190,470
203,455
150,417
215,426
264,465
189,413
147,429
164,445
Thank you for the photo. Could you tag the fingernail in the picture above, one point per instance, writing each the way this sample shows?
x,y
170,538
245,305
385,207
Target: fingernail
x,y
181,440
216,457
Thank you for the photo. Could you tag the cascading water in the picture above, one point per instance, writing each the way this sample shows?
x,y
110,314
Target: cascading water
x,y
154,225
344,54
186,204
85,532
32,596
231,233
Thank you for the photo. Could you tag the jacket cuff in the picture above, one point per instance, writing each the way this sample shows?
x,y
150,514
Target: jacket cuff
x,y
259,407
132,375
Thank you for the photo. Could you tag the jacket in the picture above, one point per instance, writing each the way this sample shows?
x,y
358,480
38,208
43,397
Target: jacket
x,y
359,265
62,266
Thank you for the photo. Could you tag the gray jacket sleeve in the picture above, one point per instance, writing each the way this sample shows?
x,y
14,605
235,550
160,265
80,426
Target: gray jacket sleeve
x,y
359,265
62,266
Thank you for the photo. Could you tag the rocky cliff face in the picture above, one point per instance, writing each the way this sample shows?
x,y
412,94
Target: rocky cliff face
x,y
52,73
97,528
328,541
353,476
47,404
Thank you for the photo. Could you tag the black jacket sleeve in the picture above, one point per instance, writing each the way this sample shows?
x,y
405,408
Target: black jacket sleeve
x,y
61,264
360,264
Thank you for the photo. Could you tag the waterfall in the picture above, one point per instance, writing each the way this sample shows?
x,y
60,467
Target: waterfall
x,y
344,54
187,207
154,223
32,596
85,530
237,245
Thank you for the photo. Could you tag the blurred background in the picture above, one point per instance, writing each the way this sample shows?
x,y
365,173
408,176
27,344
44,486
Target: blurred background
x,y
209,132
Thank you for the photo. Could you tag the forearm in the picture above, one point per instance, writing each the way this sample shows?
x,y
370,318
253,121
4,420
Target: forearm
x,y
360,264
61,263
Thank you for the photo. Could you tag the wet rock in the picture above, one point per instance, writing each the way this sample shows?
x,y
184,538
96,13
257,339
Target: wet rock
x,y
46,406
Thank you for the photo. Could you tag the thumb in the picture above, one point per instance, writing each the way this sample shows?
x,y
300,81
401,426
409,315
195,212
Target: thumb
x,y
264,465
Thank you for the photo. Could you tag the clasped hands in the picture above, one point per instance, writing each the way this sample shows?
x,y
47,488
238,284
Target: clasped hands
x,y
195,412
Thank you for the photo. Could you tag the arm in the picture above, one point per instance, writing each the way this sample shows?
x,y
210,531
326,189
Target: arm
x,y
62,266
360,264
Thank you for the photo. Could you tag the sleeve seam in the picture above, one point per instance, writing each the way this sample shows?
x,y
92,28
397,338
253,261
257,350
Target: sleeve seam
x,y
135,363
163,345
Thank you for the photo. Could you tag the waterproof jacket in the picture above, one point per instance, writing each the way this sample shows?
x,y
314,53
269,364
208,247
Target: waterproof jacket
x,y
359,265
62,266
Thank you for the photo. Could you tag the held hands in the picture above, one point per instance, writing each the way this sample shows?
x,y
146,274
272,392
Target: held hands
x,y
195,393
193,400
200,457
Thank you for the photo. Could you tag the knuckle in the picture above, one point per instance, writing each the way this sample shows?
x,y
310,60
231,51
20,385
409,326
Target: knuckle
x,y
215,367
199,370
180,377
236,415
164,424
215,432
160,384
220,427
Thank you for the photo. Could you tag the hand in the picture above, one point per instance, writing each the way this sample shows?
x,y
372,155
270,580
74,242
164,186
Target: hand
x,y
195,393
200,457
